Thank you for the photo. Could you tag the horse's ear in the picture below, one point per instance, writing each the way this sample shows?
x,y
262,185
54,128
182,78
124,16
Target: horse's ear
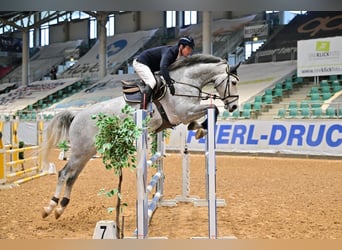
x,y
233,70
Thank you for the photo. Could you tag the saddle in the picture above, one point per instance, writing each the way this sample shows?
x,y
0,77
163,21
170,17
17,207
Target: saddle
x,y
132,91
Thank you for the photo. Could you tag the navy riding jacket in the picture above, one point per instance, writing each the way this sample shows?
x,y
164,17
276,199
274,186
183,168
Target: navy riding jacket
x,y
159,59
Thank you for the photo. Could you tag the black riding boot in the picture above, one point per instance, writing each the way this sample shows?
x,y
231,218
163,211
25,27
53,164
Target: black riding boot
x,y
146,97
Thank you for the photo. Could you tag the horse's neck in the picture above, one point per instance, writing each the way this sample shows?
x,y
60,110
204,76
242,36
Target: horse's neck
x,y
198,75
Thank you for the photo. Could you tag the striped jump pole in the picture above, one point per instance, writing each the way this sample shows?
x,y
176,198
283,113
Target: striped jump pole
x,y
145,207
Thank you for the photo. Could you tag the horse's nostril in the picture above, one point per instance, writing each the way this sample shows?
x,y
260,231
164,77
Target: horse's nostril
x,y
234,107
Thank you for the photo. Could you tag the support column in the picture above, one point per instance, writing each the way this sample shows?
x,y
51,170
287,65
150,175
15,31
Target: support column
x,y
25,59
102,20
206,42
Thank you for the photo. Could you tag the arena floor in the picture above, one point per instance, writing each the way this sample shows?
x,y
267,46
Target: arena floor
x,y
267,198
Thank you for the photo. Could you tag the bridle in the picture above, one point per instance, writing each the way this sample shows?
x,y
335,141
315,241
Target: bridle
x,y
227,93
205,95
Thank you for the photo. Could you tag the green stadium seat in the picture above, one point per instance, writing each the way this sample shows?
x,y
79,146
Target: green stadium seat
x,y
299,79
268,99
335,83
225,114
305,112
269,92
293,113
330,112
288,79
292,104
314,90
236,114
339,113
278,85
336,88
258,98
278,93
281,114
247,106
326,96
316,104
257,106
304,104
288,86
315,97
317,113
325,89
246,114
323,83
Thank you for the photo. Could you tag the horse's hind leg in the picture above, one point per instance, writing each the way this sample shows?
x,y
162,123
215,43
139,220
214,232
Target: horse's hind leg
x,y
77,163
66,198
55,199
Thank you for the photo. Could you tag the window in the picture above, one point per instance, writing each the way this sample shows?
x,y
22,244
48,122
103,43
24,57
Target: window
x,y
251,46
190,17
31,38
93,27
170,19
44,35
110,25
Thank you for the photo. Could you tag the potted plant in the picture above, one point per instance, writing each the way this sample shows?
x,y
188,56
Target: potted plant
x,y
64,147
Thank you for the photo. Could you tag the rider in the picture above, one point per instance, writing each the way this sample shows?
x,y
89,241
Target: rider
x,y
159,59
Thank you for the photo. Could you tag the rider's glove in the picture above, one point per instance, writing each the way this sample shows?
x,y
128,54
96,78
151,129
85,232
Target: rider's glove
x,y
171,87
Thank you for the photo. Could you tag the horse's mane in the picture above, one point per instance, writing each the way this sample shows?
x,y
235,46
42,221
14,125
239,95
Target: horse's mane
x,y
195,59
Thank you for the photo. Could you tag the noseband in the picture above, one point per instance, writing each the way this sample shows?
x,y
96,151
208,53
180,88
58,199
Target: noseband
x,y
227,93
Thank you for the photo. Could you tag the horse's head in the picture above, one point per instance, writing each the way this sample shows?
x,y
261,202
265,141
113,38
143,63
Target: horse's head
x,y
226,86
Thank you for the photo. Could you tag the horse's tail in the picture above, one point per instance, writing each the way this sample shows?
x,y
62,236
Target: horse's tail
x,y
57,130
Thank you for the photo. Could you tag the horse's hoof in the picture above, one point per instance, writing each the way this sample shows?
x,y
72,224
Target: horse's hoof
x,y
194,125
58,213
44,212
200,133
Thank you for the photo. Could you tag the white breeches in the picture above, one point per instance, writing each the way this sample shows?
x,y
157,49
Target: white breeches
x,y
144,73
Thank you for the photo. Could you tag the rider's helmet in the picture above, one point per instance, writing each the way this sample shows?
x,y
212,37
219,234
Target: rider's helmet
x,y
187,40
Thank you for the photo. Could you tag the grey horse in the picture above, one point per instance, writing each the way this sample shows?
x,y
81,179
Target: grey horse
x,y
191,75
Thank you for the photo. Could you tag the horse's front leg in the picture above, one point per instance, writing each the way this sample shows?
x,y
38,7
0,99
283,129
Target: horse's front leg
x,y
198,112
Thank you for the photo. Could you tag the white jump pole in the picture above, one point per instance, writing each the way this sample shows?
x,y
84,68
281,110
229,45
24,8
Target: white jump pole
x,y
211,174
185,196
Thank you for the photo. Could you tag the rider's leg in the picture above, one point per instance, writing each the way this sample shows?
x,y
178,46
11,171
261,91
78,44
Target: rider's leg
x,y
147,77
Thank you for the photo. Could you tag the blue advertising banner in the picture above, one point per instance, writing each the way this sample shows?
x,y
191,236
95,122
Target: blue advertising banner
x,y
309,137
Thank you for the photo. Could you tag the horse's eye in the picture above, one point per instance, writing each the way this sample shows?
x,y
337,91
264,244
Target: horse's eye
x,y
234,82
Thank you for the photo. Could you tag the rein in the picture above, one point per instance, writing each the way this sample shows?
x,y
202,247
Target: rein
x,y
200,92
205,95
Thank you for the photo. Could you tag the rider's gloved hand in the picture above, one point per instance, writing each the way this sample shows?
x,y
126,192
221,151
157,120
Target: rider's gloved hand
x,y
171,87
